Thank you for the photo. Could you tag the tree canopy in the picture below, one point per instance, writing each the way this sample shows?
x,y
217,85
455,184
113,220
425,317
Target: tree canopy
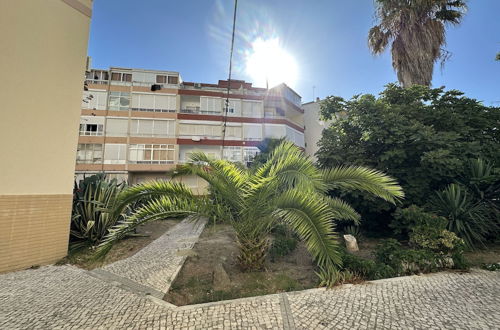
x,y
422,136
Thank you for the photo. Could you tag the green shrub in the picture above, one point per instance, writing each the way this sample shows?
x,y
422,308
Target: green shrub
x,y
437,240
406,219
284,242
367,269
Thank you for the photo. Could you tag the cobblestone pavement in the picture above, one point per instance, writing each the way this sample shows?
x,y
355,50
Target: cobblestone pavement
x,y
125,295
157,265
67,297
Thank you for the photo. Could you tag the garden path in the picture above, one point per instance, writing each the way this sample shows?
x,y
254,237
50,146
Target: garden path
x,y
155,267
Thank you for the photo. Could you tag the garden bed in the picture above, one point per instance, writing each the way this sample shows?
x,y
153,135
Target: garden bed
x,y
217,247
122,249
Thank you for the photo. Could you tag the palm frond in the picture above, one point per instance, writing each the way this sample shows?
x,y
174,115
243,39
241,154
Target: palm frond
x,y
291,169
310,217
364,179
148,190
343,211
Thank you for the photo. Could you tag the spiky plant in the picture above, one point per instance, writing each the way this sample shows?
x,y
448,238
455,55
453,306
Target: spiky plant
x,y
468,218
417,31
90,221
287,189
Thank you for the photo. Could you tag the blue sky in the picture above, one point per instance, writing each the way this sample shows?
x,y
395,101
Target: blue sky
x,y
327,38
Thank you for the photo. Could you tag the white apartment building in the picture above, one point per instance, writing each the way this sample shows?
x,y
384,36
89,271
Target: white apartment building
x,y
138,124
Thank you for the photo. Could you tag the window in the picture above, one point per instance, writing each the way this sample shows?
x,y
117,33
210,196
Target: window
x,y
91,129
252,109
154,103
160,79
210,105
233,132
233,154
173,80
200,130
151,153
252,132
119,101
89,153
249,153
116,127
115,153
154,128
95,100
118,76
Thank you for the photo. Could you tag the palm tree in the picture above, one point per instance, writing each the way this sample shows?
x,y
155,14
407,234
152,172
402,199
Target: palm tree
x,y
287,189
417,31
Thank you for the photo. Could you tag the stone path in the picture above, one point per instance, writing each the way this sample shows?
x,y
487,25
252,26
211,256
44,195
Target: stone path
x,y
123,296
157,265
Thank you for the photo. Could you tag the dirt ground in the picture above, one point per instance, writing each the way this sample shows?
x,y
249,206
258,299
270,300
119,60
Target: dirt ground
x,y
479,257
122,249
217,246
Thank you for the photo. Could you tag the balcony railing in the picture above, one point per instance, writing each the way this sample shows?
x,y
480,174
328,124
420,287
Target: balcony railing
x,y
97,81
196,110
154,110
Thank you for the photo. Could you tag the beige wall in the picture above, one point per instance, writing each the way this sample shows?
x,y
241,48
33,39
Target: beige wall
x,y
44,48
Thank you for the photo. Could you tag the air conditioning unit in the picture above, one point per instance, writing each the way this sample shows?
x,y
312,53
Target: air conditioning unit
x,y
197,85
196,138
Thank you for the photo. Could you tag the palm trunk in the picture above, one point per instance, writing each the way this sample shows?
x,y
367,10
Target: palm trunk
x,y
253,253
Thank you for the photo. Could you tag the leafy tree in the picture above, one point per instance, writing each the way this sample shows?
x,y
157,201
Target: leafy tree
x,y
423,137
417,31
287,189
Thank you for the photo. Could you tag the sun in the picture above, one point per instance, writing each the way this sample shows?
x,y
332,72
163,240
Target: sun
x,y
268,64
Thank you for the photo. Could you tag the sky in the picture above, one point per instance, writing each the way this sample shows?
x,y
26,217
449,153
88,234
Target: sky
x,y
326,38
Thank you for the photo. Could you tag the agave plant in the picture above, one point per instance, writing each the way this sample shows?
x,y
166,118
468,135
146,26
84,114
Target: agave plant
x,y
287,189
468,218
90,221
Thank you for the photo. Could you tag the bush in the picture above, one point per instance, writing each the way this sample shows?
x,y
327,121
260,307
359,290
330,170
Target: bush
x,y
437,239
412,261
405,220
284,242
367,269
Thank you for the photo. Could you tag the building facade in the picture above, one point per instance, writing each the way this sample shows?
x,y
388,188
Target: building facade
x,y
314,125
43,61
138,124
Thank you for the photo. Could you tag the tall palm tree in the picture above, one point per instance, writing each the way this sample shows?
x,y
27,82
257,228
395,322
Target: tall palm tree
x,y
417,31
287,189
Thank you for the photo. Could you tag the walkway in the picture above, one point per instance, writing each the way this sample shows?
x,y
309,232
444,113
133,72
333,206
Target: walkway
x,y
123,296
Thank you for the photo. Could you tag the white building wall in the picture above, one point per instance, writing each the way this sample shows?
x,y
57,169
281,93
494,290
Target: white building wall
x,y
314,127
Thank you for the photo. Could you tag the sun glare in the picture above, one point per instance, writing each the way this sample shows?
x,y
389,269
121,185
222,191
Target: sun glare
x,y
267,63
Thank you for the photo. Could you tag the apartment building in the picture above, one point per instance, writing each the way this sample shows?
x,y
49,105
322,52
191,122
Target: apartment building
x,y
315,126
43,61
138,124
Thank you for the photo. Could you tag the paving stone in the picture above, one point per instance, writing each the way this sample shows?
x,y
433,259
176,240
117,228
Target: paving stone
x,y
158,264
66,297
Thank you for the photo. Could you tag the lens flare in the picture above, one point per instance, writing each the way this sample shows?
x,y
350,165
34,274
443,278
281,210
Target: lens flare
x,y
268,63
